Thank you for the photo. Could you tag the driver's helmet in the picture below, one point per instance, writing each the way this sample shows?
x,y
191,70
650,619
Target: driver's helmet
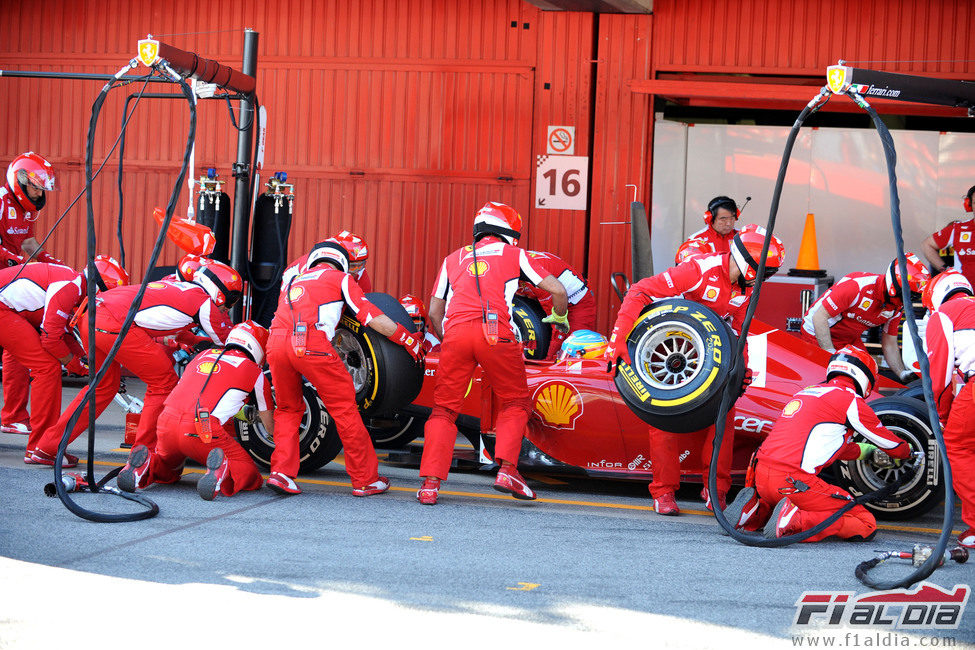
x,y
583,344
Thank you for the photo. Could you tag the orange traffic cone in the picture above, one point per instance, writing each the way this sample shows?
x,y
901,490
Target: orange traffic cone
x,y
807,265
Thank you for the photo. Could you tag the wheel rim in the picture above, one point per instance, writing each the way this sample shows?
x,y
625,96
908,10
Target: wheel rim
x,y
353,356
268,439
389,428
670,356
877,477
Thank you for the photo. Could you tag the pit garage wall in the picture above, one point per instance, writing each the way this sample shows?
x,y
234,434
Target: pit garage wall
x,y
839,175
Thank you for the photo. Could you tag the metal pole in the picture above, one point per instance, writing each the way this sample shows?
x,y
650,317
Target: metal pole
x,y
242,169
85,76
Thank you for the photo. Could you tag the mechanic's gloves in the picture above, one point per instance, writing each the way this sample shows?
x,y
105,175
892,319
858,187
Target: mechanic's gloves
x,y
409,340
746,381
77,366
866,450
560,321
614,354
906,376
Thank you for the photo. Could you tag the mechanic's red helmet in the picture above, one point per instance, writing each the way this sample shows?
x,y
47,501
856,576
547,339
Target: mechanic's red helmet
x,y
221,282
189,265
331,251
746,249
498,219
693,247
944,286
29,168
917,276
357,249
109,274
416,309
855,364
251,338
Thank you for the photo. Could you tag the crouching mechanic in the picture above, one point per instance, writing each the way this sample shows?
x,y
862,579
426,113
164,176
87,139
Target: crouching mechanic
x,y
950,345
167,308
36,304
718,282
860,301
196,421
582,303
301,344
815,429
470,311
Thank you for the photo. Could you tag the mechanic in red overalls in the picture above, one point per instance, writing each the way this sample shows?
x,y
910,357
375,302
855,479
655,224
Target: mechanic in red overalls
x,y
470,311
860,301
716,281
719,220
196,421
418,314
301,344
167,308
815,429
29,176
950,345
959,235
582,303
36,303
358,255
693,247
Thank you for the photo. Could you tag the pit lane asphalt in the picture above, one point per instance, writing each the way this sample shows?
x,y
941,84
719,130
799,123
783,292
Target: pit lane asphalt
x,y
587,562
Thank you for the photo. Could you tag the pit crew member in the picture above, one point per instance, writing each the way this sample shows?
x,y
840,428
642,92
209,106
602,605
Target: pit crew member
x,y
860,301
959,236
29,176
300,344
717,281
815,429
167,308
719,224
37,301
418,314
950,345
470,311
582,303
196,421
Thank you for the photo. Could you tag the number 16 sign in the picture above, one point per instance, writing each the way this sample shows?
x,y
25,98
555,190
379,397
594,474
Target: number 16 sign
x,y
561,182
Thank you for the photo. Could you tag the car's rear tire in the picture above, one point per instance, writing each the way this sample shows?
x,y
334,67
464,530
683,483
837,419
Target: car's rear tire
x,y
318,439
395,430
385,376
535,335
683,356
908,418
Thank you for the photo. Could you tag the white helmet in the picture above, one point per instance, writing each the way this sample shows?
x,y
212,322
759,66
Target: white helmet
x,y
249,337
943,286
330,250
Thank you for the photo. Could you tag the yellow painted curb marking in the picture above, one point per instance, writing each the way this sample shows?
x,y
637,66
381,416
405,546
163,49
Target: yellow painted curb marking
x,y
425,538
525,586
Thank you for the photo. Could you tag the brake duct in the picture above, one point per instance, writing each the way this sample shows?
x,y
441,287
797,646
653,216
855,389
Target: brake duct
x,y
855,83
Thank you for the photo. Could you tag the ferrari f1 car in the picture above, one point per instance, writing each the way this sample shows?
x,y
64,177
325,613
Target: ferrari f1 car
x,y
587,422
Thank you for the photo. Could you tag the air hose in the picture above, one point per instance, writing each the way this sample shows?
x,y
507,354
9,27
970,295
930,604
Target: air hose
x,y
151,509
731,392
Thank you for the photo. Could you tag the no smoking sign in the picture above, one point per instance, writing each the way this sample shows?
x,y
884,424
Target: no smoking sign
x,y
561,140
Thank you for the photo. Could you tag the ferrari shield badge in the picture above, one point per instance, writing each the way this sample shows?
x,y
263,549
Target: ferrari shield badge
x,y
148,51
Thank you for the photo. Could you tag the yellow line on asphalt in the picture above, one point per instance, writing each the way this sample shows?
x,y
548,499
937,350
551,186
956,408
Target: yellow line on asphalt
x,y
561,502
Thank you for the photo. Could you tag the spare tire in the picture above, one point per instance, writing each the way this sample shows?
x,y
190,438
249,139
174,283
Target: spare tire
x,y
908,418
535,336
318,439
683,356
385,376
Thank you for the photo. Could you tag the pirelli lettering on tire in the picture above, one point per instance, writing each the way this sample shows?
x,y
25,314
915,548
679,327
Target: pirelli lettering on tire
x,y
682,359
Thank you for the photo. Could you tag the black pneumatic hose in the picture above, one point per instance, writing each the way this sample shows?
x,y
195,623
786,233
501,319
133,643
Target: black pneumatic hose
x,y
96,377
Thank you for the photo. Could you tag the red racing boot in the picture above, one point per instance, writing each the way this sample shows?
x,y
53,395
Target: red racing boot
x,y
967,539
783,521
282,484
429,491
510,481
15,427
722,499
666,504
136,470
217,470
38,457
376,487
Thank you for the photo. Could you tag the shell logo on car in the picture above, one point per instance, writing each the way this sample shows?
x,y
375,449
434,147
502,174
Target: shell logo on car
x,y
558,404
480,267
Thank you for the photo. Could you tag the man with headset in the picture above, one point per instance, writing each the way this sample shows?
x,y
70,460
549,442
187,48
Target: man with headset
x,y
959,235
719,220
470,311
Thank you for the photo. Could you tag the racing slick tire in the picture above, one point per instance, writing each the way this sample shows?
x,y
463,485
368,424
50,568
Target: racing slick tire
x,y
912,390
683,356
908,418
535,335
318,439
385,376
396,430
